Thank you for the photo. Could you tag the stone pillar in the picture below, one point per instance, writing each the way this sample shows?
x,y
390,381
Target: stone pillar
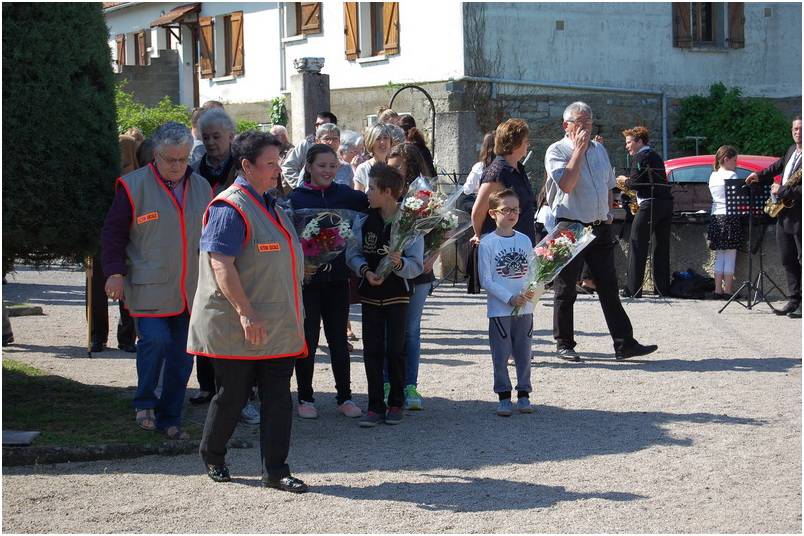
x,y
309,94
457,140
456,147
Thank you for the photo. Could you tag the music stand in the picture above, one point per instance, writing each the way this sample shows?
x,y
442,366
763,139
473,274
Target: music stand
x,y
747,200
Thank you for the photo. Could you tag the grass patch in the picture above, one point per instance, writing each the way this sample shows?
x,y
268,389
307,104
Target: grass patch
x,y
69,413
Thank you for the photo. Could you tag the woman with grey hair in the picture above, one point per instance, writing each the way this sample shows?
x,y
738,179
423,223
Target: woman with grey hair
x,y
378,143
149,249
217,130
350,153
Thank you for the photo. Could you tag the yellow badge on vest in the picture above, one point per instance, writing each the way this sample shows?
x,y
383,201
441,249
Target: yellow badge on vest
x,y
148,217
268,247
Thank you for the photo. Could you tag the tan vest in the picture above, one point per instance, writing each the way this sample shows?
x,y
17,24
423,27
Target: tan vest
x,y
162,253
270,267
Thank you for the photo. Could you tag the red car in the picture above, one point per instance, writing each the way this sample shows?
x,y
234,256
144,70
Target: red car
x,y
689,178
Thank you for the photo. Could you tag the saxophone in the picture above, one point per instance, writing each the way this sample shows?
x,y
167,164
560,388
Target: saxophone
x,y
773,207
634,204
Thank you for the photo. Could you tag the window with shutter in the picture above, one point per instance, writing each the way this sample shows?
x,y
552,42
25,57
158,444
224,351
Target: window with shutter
x,y
350,29
141,48
234,43
708,25
390,17
736,25
206,43
310,17
121,51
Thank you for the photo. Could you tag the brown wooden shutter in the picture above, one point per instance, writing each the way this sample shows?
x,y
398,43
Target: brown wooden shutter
x,y
736,25
238,67
142,52
682,35
350,29
206,40
121,49
310,17
390,18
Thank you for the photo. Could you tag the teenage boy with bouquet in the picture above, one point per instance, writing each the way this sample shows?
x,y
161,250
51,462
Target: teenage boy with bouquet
x,y
384,300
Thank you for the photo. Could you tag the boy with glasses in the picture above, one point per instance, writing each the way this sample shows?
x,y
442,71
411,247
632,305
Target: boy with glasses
x,y
503,259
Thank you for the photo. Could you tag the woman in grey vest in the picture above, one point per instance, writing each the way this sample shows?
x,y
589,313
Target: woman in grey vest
x,y
248,316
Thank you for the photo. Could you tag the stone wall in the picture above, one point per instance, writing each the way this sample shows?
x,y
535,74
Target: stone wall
x,y
150,84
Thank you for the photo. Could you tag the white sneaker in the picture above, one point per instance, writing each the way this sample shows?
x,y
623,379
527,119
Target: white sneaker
x,y
249,414
350,409
523,405
307,410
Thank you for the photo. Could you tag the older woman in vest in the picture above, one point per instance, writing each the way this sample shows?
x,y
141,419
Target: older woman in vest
x,y
149,249
248,316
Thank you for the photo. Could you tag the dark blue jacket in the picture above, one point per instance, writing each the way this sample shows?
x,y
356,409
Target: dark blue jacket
x,y
336,196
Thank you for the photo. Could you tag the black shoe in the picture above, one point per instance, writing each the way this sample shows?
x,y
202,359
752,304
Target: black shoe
x,y
8,339
635,350
288,483
567,354
625,293
96,347
796,313
219,473
200,400
129,347
788,308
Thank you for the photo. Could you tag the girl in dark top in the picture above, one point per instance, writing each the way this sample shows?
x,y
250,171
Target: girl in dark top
x,y
326,295
414,136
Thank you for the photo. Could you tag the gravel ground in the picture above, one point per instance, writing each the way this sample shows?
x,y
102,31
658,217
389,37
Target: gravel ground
x,y
704,436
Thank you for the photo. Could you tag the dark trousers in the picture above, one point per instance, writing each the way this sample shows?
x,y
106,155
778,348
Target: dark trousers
x,y
205,374
789,245
99,319
599,255
654,216
383,324
234,378
328,302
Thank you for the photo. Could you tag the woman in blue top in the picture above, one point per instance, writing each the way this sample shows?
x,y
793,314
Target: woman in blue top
x,y
326,294
511,145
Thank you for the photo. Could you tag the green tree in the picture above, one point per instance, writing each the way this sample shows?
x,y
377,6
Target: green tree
x,y
60,150
752,125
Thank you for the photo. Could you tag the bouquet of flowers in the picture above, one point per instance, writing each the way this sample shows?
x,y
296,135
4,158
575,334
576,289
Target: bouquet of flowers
x,y
325,234
452,225
420,212
552,254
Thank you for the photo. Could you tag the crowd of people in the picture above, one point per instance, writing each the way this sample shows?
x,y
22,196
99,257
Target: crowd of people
x,y
200,245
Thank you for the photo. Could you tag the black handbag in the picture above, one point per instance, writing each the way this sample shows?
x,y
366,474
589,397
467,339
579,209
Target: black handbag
x,y
473,283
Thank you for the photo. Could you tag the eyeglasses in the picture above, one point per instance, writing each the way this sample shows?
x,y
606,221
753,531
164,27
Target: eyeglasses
x,y
330,139
508,211
585,122
174,161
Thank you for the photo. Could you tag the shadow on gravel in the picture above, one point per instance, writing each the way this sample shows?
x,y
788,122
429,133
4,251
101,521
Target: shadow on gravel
x,y
655,363
68,352
460,494
41,294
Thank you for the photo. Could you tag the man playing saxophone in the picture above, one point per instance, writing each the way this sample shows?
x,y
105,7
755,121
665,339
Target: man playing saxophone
x,y
788,222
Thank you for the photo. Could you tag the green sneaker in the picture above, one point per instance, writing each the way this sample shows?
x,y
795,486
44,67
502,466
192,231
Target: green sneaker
x,y
413,400
386,389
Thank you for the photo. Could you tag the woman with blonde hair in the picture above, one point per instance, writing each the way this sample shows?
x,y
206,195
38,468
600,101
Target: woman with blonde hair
x,y
378,142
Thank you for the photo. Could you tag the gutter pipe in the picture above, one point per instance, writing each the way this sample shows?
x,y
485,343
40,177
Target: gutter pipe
x,y
565,85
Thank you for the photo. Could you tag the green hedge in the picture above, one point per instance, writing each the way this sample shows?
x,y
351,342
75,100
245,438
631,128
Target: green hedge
x,y
60,151
752,125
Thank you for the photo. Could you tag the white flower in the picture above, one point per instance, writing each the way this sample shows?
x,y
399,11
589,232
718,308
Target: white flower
x,y
414,203
345,230
310,230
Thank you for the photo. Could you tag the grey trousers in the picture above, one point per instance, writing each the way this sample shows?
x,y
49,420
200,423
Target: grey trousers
x,y
511,336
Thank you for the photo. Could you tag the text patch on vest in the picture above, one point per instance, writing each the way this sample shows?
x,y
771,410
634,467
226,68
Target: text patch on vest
x,y
268,247
148,217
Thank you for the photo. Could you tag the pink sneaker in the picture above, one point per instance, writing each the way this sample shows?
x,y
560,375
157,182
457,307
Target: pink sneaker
x,y
349,409
307,410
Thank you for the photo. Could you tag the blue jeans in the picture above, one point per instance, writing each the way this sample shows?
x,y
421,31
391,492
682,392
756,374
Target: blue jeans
x,y
162,352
